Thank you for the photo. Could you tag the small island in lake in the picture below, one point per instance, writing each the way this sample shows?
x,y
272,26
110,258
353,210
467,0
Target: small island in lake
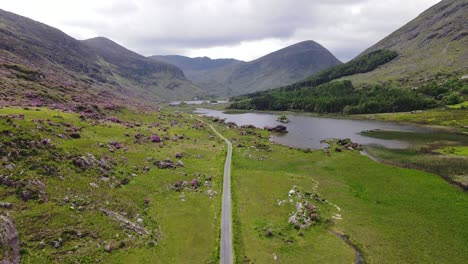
x,y
283,119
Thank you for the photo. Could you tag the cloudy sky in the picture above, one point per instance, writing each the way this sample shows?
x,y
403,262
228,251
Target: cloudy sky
x,y
241,29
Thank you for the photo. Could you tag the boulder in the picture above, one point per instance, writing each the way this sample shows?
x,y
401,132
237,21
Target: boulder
x,y
277,129
166,164
74,135
9,241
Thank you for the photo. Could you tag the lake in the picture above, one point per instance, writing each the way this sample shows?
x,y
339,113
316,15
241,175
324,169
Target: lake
x,y
307,132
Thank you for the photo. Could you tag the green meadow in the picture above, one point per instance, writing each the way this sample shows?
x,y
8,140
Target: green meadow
x,y
389,214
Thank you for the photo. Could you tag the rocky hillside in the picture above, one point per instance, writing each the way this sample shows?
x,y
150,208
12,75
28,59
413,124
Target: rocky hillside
x,y
282,67
42,65
433,44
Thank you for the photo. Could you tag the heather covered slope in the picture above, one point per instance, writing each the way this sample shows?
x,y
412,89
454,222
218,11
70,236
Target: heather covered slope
x,y
434,43
285,66
43,65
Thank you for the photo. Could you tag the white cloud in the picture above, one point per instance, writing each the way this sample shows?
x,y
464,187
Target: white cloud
x,y
243,29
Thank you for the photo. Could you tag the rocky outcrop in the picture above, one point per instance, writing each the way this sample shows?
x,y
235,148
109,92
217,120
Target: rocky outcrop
x,y
9,242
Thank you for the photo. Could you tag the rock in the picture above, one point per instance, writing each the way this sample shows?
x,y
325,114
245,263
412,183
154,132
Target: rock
x,y
147,201
6,205
194,183
178,155
167,164
75,135
57,243
338,150
9,241
108,248
10,166
94,185
115,144
277,129
26,195
125,222
269,233
140,221
180,163
155,139
42,245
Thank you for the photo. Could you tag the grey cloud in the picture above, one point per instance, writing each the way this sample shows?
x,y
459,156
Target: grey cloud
x,y
157,26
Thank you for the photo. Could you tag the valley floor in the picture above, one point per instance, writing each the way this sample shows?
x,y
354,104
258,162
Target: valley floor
x,y
78,187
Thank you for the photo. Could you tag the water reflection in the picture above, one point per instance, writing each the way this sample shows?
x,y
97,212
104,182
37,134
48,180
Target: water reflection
x,y
307,132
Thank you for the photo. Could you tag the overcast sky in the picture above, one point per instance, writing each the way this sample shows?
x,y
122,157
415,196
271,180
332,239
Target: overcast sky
x,y
241,29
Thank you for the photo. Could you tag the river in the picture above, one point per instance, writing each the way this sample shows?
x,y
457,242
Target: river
x,y
308,132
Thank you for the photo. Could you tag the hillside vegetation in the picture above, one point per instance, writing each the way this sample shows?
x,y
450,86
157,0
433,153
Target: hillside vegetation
x,y
318,94
435,43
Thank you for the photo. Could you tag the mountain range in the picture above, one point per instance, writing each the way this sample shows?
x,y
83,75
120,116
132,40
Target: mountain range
x,y
226,77
42,64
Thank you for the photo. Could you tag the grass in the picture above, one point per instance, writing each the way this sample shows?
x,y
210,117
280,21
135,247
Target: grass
x,y
394,215
458,151
457,118
459,106
184,226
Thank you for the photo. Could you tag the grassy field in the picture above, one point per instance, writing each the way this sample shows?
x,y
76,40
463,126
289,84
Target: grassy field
x,y
183,227
457,118
393,215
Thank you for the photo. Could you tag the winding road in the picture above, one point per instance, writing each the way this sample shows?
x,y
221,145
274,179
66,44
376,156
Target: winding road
x,y
226,252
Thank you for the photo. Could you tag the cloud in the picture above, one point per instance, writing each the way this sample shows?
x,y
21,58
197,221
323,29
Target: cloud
x,y
245,29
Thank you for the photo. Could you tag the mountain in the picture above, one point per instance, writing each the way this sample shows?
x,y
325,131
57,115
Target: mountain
x,y
419,66
433,44
42,64
230,77
194,64
158,79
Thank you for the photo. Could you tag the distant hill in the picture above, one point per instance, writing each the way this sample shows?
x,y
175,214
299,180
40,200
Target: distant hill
x,y
42,64
232,77
433,44
195,64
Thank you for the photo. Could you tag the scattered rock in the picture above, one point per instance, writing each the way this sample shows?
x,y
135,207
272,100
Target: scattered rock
x,y
168,164
6,205
124,222
178,155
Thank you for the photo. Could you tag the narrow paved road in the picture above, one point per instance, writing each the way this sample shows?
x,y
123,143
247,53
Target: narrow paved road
x,y
226,254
